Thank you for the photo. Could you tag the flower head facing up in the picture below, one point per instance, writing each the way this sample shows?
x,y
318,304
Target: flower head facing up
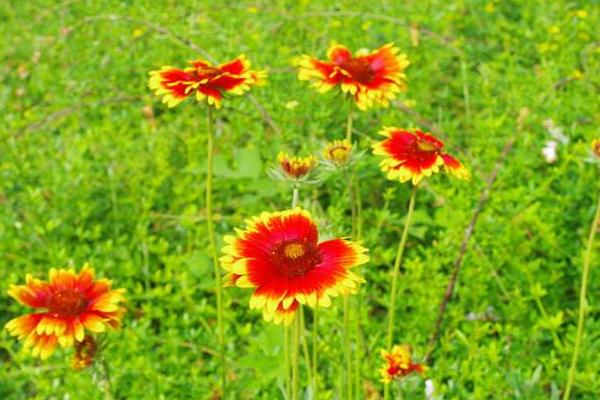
x,y
413,155
203,80
338,152
596,147
279,256
68,304
371,78
398,364
296,167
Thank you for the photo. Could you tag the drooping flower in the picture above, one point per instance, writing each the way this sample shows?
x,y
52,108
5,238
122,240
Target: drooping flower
x,y
398,364
85,353
69,304
203,80
279,256
371,78
338,152
596,147
413,155
296,167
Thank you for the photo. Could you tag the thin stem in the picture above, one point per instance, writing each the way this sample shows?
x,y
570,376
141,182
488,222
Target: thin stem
x,y
295,195
315,351
347,349
305,349
397,263
213,247
349,121
295,351
107,385
286,361
582,300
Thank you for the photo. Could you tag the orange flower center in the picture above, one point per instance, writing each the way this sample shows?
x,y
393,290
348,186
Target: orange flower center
x,y
359,69
67,302
294,258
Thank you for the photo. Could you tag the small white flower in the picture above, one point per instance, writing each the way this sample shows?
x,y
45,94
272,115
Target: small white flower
x,y
549,151
429,389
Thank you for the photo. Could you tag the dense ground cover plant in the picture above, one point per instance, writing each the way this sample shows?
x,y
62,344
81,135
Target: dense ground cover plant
x,y
94,168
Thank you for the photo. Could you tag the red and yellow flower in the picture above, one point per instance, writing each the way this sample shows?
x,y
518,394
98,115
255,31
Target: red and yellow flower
x,y
203,80
398,364
338,152
596,147
69,304
279,256
296,167
371,78
413,155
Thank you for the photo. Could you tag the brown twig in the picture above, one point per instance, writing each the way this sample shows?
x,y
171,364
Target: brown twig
x,y
442,39
158,28
485,194
70,110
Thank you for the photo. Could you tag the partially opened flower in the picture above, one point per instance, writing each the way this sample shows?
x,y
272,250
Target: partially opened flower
x,y
204,81
68,305
296,167
279,256
398,364
596,147
85,353
371,78
413,155
338,152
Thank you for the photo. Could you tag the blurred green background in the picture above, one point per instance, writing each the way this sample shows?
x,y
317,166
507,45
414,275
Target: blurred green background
x,y
94,168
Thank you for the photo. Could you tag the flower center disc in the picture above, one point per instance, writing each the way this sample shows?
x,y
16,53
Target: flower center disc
x,y
207,72
294,258
67,302
426,146
359,69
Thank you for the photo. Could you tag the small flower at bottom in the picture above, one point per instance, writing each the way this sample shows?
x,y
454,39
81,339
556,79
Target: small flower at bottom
x,y
85,353
69,304
296,167
596,147
338,152
371,78
413,155
398,364
279,256
206,81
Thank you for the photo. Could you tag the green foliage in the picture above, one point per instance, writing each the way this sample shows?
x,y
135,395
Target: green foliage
x,y
94,168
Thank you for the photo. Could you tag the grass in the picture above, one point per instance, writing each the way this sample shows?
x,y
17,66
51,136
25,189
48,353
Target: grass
x,y
93,168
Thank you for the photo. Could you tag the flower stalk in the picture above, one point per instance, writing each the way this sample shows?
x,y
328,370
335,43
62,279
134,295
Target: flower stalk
x,y
397,263
582,300
213,247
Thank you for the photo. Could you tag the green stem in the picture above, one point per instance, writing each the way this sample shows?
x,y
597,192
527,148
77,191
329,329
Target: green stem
x,y
349,121
295,196
305,349
582,300
107,385
315,351
348,350
286,361
213,247
397,263
295,351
